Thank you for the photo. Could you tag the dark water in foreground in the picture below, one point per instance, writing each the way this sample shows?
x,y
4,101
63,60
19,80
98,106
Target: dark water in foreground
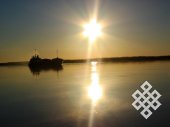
x,y
61,98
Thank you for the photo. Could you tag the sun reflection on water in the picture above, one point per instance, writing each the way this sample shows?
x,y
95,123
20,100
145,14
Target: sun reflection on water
x,y
94,91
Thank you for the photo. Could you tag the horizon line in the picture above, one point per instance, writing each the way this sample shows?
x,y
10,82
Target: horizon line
x,y
118,58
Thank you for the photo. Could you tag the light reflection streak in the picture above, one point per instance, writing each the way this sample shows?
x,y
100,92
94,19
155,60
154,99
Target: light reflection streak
x,y
94,91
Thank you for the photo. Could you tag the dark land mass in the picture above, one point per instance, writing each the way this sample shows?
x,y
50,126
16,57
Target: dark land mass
x,y
123,59
14,63
111,59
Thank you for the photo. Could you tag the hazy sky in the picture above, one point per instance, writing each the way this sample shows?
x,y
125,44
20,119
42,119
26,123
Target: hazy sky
x,y
131,28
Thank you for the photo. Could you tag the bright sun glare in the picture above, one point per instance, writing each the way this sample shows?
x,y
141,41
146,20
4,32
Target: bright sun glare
x,y
95,92
92,30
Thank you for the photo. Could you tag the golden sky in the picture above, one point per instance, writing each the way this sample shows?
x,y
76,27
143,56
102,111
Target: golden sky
x,y
131,28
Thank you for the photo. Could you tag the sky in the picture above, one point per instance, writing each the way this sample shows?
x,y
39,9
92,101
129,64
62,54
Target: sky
x,y
130,28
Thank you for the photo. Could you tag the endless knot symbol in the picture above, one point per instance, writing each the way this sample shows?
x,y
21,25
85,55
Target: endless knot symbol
x,y
146,100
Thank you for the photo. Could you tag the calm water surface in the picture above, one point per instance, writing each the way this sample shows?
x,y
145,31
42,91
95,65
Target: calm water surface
x,y
82,95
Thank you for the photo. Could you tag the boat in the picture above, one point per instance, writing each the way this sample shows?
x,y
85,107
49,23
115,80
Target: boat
x,y
38,62
38,65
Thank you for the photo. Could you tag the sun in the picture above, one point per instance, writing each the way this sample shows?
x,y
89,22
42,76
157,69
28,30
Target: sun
x,y
92,30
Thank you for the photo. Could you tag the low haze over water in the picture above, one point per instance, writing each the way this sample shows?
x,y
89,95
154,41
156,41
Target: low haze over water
x,y
53,98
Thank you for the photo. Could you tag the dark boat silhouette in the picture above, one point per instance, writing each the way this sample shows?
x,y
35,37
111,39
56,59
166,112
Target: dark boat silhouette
x,y
37,68
37,62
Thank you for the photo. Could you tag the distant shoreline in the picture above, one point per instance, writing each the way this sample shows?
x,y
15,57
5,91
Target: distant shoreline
x,y
111,59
